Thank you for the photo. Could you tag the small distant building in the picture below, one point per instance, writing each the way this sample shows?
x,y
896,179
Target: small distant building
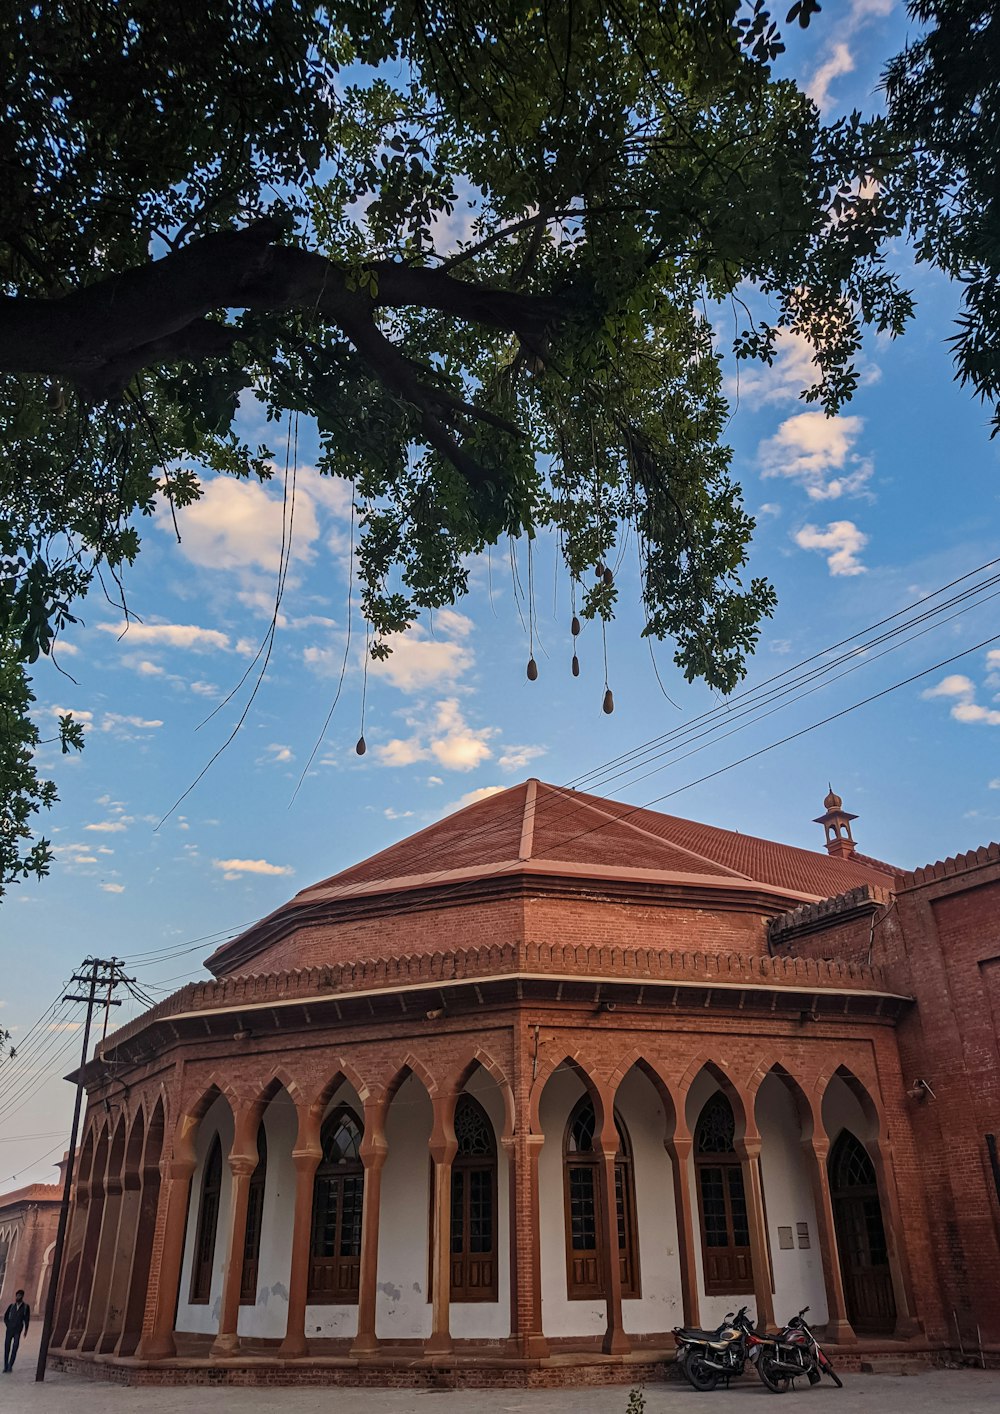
x,y
28,1220
510,1100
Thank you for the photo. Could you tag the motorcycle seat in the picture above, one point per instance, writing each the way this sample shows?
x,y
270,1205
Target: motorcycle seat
x,y
694,1333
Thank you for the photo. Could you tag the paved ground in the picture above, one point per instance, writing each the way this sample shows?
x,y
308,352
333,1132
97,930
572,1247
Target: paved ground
x,y
937,1392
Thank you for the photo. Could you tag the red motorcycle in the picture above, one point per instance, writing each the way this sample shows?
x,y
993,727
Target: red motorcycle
x,y
783,1358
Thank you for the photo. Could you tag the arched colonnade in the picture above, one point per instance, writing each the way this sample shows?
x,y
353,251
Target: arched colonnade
x,y
584,1206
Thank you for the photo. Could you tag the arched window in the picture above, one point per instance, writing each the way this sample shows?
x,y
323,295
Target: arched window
x,y
864,1255
474,1205
255,1212
584,1221
722,1204
208,1223
338,1194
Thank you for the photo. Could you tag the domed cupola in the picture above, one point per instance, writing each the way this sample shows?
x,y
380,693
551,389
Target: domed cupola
x,y
836,823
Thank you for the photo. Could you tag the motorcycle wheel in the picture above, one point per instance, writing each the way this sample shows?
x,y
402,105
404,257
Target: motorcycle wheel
x,y
699,1374
829,1370
775,1380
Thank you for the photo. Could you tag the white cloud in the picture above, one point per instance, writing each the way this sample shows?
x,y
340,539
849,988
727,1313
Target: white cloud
x,y
446,738
113,888
110,827
277,754
839,63
240,525
147,669
471,797
188,636
115,722
418,662
961,690
809,447
995,784
862,10
517,757
233,868
64,1026
391,814
769,508
791,373
955,685
843,542
64,649
86,719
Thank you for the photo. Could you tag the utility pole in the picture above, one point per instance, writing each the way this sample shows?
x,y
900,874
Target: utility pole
x,y
97,972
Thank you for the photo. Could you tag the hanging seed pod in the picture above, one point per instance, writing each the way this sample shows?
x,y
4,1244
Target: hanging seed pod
x,y
609,702
599,570
532,670
574,627
576,666
608,577
362,746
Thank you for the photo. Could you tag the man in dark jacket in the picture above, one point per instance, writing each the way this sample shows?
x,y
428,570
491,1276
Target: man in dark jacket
x,y
15,1319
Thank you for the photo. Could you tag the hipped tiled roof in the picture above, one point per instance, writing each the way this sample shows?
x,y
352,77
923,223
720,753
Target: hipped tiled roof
x,y
534,826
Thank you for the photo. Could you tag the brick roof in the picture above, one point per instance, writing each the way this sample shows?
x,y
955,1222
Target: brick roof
x,y
31,1193
534,826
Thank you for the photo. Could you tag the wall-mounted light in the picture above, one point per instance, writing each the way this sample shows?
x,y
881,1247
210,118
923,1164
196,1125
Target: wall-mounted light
x,y
919,1091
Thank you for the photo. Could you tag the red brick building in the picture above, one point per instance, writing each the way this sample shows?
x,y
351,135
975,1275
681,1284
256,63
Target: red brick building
x,y
28,1220
510,1100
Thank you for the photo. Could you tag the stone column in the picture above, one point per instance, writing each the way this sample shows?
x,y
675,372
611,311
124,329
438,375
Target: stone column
x,y
880,1151
88,1254
159,1343
527,1335
679,1147
305,1156
443,1147
817,1152
227,1340
606,1146
748,1150
374,1152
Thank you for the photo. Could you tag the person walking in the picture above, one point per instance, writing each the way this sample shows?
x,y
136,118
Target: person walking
x,y
15,1319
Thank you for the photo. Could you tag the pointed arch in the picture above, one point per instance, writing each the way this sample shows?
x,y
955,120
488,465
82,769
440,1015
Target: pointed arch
x,y
480,1059
800,1097
583,1068
409,1065
861,1236
707,1064
341,1072
192,1114
638,1060
866,1096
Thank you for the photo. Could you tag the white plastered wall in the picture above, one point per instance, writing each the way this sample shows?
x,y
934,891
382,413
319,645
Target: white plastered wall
x,y
402,1310
204,1317
326,1321
267,1318
788,1199
659,1308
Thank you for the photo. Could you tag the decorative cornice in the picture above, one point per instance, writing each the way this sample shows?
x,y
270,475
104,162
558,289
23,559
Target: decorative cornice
x,y
808,916
947,868
511,960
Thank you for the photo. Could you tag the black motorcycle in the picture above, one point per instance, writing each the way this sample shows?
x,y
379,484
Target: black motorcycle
x,y
706,1357
792,1353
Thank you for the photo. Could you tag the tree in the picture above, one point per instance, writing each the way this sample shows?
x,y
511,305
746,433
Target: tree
x,y
943,94
258,197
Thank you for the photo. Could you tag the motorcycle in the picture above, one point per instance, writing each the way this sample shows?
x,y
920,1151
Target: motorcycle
x,y
783,1358
706,1357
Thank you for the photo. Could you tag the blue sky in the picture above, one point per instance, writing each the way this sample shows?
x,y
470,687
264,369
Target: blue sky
x,y
857,516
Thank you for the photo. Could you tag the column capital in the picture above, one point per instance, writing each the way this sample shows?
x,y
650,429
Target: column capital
x,y
242,1165
181,1170
306,1160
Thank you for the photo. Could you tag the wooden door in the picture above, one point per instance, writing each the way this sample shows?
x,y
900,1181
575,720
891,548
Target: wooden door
x,y
857,1215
